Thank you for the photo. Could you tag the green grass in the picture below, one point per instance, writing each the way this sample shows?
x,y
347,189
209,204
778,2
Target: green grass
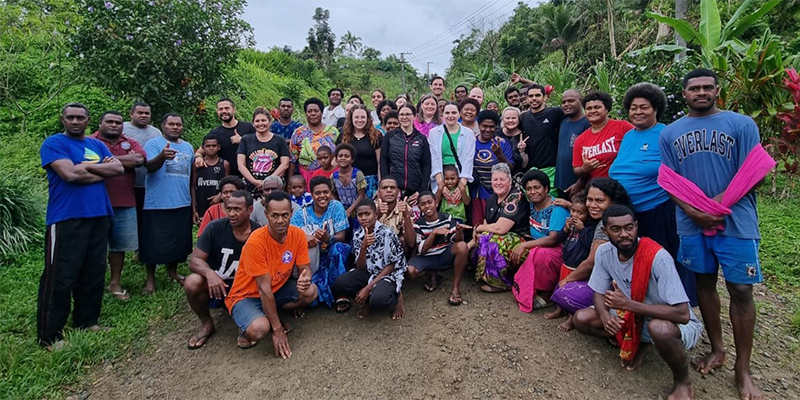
x,y
29,372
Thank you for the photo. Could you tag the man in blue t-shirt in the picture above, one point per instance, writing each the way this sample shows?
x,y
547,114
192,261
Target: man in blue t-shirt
x,y
708,147
573,124
284,125
78,211
167,215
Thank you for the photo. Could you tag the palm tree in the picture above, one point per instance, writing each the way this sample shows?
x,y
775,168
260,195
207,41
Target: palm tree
x,y
558,28
351,42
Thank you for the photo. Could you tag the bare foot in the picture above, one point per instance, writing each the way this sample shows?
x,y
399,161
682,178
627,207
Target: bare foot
x,y
567,325
556,313
709,362
149,288
177,278
681,391
636,363
747,388
399,309
363,311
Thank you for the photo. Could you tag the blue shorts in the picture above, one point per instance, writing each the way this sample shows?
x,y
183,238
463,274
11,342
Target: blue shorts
x,y
737,257
123,235
247,310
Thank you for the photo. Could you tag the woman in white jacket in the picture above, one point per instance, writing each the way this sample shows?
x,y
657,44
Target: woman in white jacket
x,y
451,144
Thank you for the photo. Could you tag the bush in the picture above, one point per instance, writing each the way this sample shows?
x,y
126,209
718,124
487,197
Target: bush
x,y
21,214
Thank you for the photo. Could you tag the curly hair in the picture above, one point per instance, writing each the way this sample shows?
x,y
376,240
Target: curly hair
x,y
611,188
597,95
349,129
469,100
649,92
536,175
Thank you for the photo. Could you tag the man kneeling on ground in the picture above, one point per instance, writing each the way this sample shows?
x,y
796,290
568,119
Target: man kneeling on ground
x,y
214,262
639,299
264,282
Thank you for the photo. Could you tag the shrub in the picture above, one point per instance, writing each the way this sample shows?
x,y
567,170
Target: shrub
x,y
21,214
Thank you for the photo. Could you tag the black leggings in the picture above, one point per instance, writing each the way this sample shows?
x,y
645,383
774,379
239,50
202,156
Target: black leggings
x,y
384,294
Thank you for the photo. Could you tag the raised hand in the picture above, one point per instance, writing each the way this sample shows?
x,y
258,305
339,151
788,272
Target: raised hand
x,y
369,238
168,153
615,298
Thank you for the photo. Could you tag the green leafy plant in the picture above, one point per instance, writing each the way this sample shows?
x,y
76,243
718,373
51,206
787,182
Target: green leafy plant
x,y
21,215
786,146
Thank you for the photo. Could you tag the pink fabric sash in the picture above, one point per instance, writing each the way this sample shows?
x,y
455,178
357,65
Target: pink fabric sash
x,y
755,167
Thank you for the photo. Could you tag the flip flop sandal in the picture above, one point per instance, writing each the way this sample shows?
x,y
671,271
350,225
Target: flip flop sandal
x,y
197,339
540,304
249,344
432,286
455,300
122,295
343,306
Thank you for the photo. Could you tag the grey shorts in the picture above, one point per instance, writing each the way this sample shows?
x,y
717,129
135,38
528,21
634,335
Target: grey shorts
x,y
690,332
123,235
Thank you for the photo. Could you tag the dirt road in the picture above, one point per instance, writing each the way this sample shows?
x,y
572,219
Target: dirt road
x,y
483,349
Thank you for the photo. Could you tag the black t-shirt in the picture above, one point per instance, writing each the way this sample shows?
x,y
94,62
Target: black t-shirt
x,y
228,149
366,159
578,245
542,129
207,184
514,207
222,247
263,158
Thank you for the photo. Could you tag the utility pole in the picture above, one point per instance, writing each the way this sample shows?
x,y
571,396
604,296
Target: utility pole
x,y
429,69
403,66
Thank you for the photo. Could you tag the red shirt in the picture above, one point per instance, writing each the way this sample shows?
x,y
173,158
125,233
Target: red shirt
x,y
321,172
120,188
602,146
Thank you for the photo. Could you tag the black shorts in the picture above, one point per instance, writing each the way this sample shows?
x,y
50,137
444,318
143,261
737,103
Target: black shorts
x,y
438,262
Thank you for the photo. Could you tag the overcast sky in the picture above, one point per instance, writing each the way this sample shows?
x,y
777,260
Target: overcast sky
x,y
426,28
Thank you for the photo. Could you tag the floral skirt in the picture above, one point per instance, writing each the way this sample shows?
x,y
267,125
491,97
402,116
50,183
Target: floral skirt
x,y
491,259
331,266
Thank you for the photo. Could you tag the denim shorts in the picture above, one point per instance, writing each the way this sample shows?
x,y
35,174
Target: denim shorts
x,y
123,235
737,257
247,310
690,331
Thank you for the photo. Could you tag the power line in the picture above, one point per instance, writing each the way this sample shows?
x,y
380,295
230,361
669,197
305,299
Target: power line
x,y
459,28
435,50
453,27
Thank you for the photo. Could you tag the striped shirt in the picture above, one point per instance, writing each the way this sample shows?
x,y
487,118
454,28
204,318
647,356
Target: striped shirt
x,y
424,228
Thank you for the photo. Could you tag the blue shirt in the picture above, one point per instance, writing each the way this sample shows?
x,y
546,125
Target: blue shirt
x,y
567,134
709,151
168,187
335,216
284,130
552,218
74,200
636,168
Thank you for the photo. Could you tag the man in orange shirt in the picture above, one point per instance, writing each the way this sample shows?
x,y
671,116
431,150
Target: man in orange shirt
x,y
264,281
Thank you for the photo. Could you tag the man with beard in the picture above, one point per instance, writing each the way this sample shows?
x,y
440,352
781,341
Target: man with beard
x,y
572,126
334,111
460,93
229,135
123,234
639,300
512,97
76,242
540,125
709,147
284,125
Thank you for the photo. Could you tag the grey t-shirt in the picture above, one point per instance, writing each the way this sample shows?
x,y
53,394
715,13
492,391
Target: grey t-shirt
x,y
259,213
599,234
141,135
664,287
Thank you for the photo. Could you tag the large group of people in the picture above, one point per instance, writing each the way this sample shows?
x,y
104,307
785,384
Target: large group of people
x,y
619,227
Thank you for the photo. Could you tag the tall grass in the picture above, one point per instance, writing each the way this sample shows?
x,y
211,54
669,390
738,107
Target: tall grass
x,y
21,214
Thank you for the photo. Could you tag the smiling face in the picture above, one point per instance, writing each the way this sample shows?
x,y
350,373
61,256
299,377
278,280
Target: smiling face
x,y
360,118
335,98
376,98
570,103
225,111
597,202
391,124
261,123
321,195
468,113
536,192
596,112
501,183
406,117
297,186
477,94
642,113
535,99
437,87
427,206
344,158
510,119
701,93
487,128
428,108
451,114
